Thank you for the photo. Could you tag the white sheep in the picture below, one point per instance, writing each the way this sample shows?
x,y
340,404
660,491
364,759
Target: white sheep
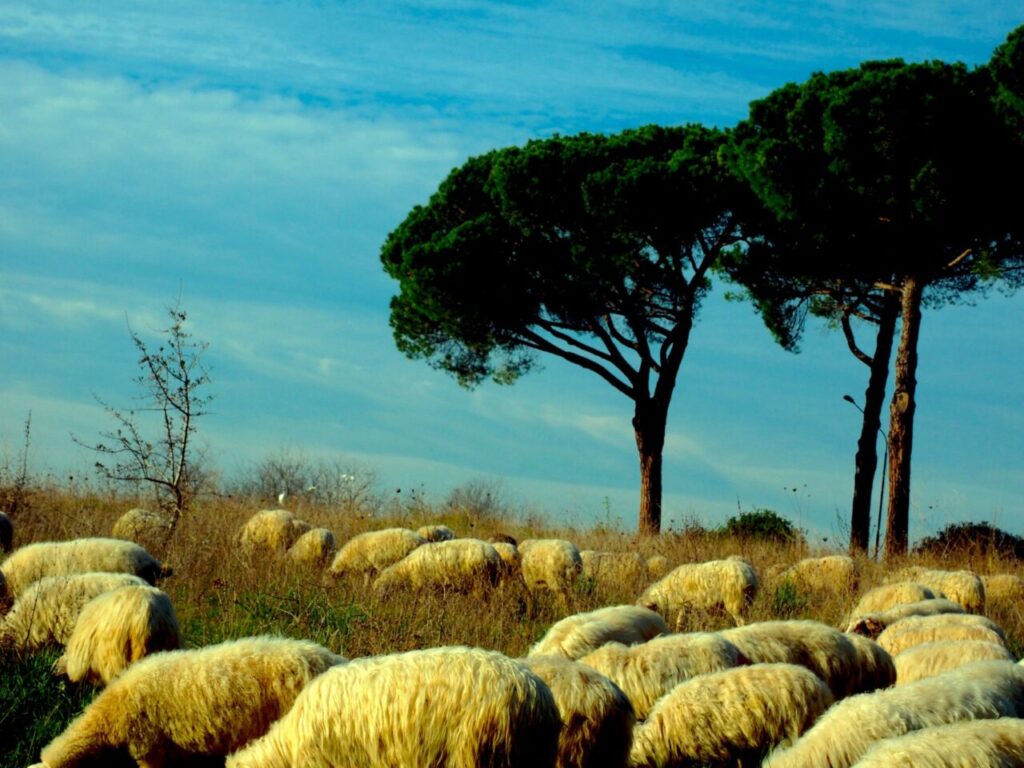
x,y
622,570
730,584
964,587
270,531
575,636
314,548
510,562
464,565
597,717
1003,589
873,624
876,668
549,564
729,717
826,651
938,656
982,689
61,558
117,629
649,670
997,743
886,596
46,612
150,529
369,553
210,701
6,533
437,532
454,707
913,630
831,573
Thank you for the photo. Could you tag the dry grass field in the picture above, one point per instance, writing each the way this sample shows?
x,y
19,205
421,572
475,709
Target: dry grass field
x,y
218,593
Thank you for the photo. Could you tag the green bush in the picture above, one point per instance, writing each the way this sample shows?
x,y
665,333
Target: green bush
x,y
972,539
763,525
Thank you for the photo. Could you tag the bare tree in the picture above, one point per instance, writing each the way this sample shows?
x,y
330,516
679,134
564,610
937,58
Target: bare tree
x,y
170,379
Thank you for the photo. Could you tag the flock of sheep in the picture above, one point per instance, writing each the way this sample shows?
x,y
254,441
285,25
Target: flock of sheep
x,y
918,677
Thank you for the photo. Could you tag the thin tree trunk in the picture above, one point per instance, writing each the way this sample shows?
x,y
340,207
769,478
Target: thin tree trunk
x,y
866,460
901,420
649,427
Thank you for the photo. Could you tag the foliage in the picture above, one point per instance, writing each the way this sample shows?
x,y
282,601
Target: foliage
x,y
762,524
787,602
972,539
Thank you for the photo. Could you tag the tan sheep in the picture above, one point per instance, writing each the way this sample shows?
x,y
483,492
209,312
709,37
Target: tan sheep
x,y
730,584
597,717
621,570
511,565
369,553
824,650
6,533
964,587
1003,589
873,624
61,558
116,629
886,596
997,743
575,636
934,658
832,573
271,531
658,566
876,668
982,689
549,565
314,549
730,717
150,529
46,612
647,671
452,707
900,642
463,565
210,701
912,630
435,533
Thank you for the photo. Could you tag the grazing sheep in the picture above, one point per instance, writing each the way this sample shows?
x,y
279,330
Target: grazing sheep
x,y
888,595
314,548
1003,589
913,630
876,668
934,658
271,531
150,529
46,612
649,670
730,584
453,707
729,717
575,636
464,565
622,570
209,701
61,558
511,568
549,564
995,743
597,717
657,567
964,587
435,533
873,624
824,650
504,538
6,533
116,629
821,574
367,554
980,690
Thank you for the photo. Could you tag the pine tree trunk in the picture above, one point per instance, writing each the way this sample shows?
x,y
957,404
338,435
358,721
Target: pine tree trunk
x,y
866,460
649,427
901,420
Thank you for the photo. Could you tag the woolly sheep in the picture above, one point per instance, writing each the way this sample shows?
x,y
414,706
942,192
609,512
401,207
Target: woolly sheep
x,y
509,554
647,671
597,717
824,650
271,531
730,716
465,565
454,707
872,624
116,629
995,743
150,529
657,567
821,574
1003,588
208,701
369,553
876,668
549,564
886,596
46,612
61,558
6,533
938,656
313,548
982,689
964,587
615,569
575,636
435,533
913,630
731,584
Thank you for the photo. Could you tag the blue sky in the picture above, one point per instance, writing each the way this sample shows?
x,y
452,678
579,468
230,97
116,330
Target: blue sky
x,y
253,156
